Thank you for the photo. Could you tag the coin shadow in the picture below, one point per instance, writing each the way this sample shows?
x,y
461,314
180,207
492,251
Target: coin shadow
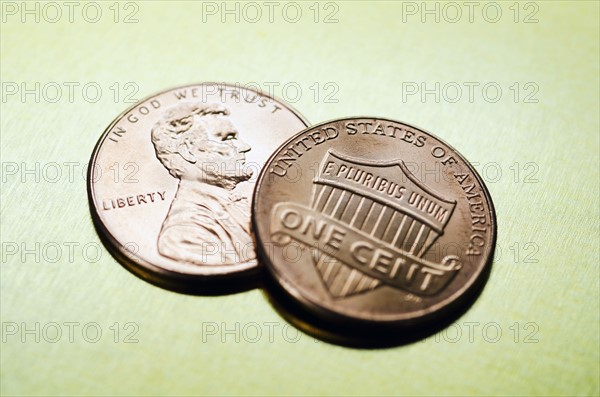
x,y
362,335
213,287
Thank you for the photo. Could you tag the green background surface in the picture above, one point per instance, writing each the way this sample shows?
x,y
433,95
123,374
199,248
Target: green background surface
x,y
538,153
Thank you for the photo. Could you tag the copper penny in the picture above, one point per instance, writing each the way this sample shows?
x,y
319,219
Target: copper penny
x,y
171,179
369,220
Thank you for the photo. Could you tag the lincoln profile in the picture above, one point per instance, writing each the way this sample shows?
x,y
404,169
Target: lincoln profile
x,y
208,223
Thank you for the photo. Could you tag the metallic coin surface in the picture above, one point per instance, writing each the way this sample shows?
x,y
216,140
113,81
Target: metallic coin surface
x,y
171,179
369,220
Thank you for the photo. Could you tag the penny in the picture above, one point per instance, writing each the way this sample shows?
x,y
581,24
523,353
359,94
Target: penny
x,y
373,221
171,179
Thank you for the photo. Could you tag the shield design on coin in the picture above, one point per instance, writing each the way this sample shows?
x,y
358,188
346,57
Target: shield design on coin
x,y
386,221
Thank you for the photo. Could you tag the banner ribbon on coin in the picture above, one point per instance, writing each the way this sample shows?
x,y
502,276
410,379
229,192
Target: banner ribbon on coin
x,y
355,248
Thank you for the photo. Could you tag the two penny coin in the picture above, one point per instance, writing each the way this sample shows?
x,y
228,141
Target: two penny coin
x,y
358,221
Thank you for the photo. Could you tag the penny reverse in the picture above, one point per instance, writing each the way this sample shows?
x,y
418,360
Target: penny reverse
x,y
368,220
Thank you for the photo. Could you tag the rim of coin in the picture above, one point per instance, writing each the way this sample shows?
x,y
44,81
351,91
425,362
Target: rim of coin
x,y
325,311
206,276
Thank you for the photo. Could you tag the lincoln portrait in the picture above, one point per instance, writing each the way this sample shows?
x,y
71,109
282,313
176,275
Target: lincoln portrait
x,y
208,222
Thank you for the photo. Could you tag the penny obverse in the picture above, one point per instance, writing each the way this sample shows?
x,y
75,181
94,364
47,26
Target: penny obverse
x,y
171,179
